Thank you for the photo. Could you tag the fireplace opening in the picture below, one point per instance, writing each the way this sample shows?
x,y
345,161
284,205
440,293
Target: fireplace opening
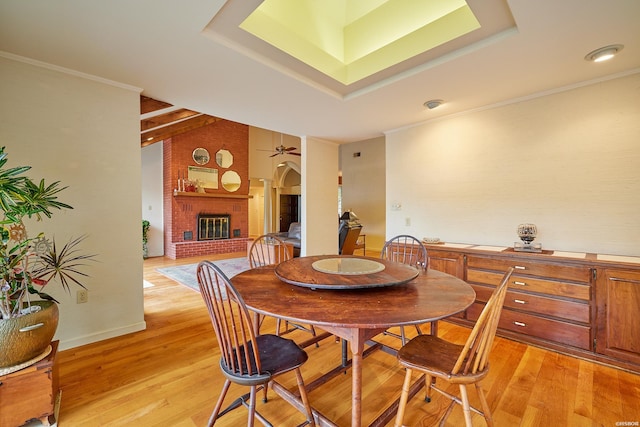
x,y
213,226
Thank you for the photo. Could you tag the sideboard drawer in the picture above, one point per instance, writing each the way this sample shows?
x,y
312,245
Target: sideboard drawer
x,y
532,284
538,304
549,270
540,327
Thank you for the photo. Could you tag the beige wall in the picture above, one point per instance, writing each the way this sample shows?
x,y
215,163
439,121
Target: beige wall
x,y
319,210
83,132
363,187
152,197
567,162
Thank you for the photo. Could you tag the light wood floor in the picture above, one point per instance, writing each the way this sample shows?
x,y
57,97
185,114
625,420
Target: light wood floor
x,y
167,375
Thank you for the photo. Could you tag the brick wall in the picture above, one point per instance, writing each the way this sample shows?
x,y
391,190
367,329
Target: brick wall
x,y
180,213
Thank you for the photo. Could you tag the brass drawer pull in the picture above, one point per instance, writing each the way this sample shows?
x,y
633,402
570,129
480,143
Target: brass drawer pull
x,y
519,301
519,324
519,267
515,282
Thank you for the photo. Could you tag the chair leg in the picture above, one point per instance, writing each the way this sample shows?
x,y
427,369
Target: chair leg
x,y
428,381
485,405
216,411
434,328
252,407
404,396
278,323
418,329
305,398
313,333
465,405
403,337
447,413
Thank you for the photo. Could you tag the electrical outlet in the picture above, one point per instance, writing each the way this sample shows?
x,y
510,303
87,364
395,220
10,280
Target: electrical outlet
x,y
407,222
82,296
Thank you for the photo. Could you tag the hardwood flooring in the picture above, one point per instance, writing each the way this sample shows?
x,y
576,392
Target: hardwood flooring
x,y
168,375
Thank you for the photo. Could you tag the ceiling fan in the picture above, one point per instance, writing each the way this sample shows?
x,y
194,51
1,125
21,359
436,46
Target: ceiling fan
x,y
281,149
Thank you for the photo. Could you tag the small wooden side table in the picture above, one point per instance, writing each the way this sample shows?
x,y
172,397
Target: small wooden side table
x,y
31,393
361,243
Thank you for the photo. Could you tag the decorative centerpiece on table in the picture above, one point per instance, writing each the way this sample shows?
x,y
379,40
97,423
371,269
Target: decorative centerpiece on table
x,y
28,315
527,233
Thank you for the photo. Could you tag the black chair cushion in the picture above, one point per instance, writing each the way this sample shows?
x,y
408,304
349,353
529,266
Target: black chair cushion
x,y
277,355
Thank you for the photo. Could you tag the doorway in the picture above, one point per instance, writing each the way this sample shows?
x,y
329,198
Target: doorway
x,y
289,206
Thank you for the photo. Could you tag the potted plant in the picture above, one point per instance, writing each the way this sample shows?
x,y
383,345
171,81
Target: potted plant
x,y
28,315
145,238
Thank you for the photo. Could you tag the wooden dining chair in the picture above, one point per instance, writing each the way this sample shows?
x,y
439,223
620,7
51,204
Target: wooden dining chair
x,y
408,250
456,364
246,358
269,250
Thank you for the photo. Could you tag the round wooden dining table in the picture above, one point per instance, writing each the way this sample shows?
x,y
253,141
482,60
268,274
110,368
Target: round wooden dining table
x,y
355,314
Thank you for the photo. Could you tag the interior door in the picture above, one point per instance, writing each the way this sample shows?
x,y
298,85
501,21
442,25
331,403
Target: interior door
x,y
288,211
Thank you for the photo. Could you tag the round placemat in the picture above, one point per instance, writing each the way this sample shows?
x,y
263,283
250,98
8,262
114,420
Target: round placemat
x,y
349,266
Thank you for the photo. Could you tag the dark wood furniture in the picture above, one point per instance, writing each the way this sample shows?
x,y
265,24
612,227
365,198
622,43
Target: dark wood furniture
x,y
246,358
585,305
455,364
31,393
356,315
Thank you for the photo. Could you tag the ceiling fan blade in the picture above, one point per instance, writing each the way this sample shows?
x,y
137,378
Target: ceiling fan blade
x,y
295,154
289,148
275,154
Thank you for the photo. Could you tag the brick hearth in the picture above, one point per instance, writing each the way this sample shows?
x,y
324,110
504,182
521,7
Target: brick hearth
x,y
189,249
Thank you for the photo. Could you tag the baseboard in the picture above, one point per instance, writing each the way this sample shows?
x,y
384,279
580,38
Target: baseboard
x,y
100,336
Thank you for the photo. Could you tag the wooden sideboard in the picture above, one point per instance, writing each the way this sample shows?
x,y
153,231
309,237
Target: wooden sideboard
x,y
584,305
31,393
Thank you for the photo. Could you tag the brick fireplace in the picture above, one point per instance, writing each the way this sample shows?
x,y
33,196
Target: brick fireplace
x,y
182,210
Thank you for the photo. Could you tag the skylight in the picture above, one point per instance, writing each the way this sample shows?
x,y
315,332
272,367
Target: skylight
x,y
350,40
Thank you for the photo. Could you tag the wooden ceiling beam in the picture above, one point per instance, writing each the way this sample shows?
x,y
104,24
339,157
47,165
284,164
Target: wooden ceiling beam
x,y
162,133
148,105
165,119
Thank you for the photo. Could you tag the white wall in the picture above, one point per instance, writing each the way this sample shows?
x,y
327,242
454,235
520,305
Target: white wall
x,y
85,133
363,184
567,162
152,197
319,207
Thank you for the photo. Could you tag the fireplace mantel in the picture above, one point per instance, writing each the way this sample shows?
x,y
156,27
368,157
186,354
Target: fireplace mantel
x,y
218,195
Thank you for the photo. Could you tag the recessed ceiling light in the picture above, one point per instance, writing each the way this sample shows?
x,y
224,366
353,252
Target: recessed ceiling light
x,y
604,53
434,103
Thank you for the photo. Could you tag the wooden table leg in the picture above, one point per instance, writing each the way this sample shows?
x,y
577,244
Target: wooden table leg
x,y
357,347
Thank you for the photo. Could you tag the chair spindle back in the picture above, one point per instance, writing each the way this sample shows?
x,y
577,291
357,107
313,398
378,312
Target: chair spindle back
x,y
231,321
268,250
406,249
475,354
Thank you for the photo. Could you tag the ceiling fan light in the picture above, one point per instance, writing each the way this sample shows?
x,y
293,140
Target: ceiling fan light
x,y
604,53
